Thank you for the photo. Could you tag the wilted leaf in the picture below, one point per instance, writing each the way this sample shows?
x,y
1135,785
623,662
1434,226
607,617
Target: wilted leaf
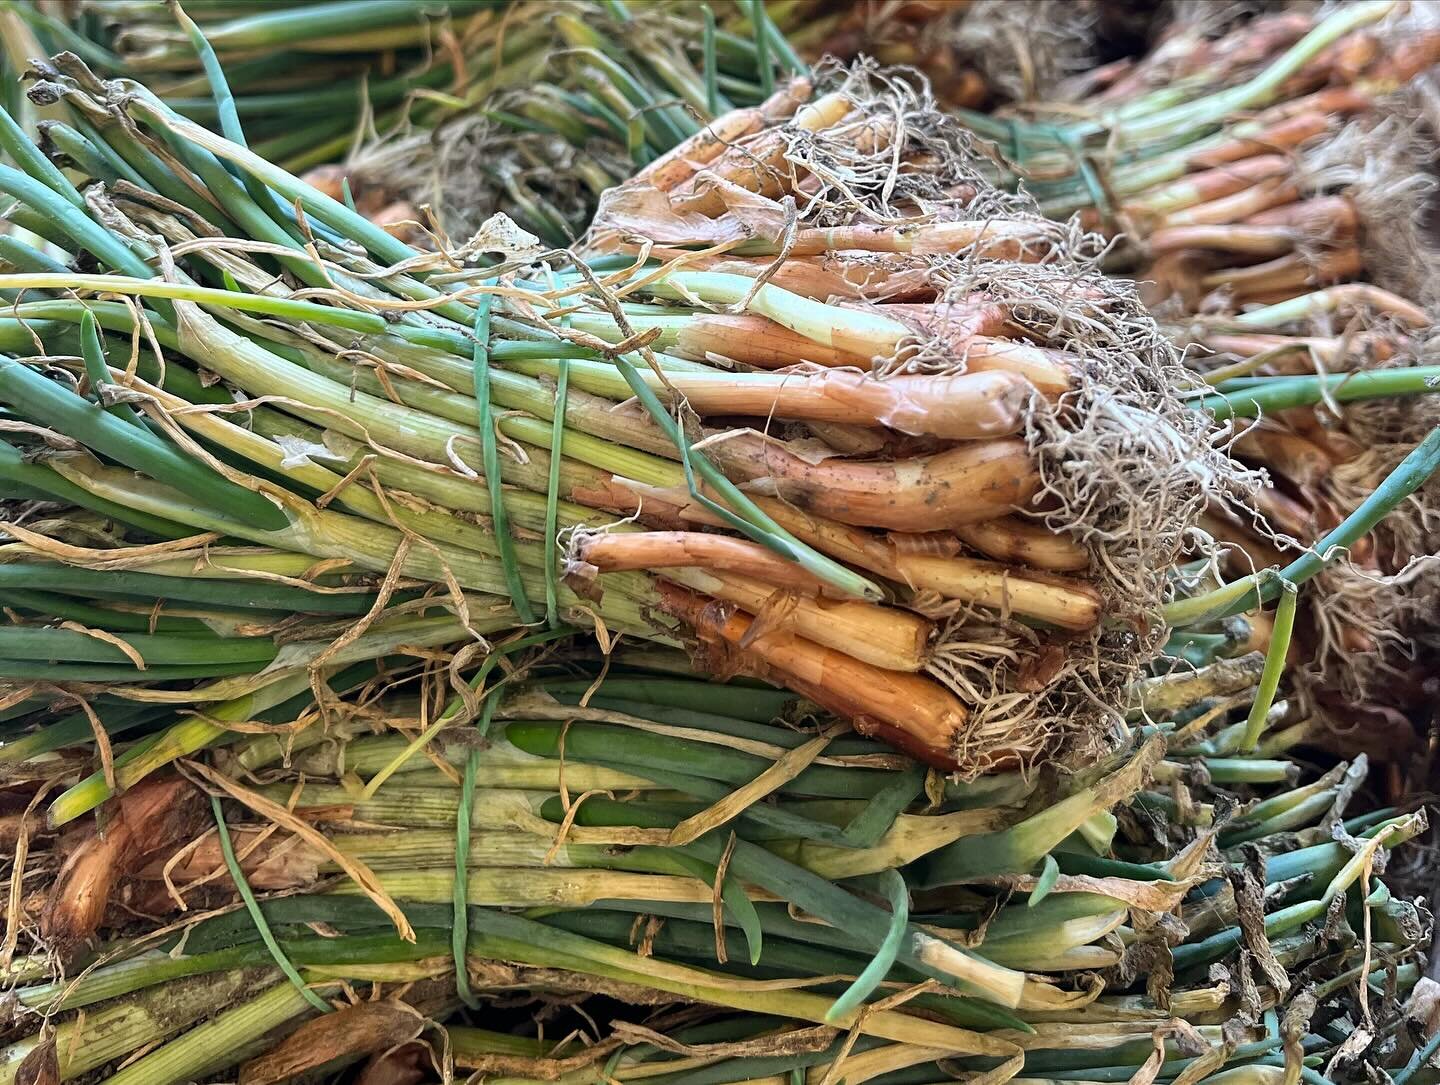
x,y
42,1065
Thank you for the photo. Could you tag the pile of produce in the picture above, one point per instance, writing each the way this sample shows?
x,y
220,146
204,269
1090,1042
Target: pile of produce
x,y
779,637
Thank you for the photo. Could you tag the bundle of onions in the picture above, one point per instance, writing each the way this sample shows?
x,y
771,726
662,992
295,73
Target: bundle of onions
x,y
1156,145
622,86
1272,192
529,107
544,152
981,284
963,548
769,899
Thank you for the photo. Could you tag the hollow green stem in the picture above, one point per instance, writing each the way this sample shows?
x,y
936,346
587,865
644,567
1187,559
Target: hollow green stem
x,y
1276,394
1274,665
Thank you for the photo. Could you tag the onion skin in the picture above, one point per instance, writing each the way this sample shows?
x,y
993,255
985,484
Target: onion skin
x,y
917,715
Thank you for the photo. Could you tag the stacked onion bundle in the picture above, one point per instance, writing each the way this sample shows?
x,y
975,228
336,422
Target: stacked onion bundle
x,y
765,898
543,153
621,85
964,548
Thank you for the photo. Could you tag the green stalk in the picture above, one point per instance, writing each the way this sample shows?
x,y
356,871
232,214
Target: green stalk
x,y
87,157
16,469
227,850
712,89
155,967
72,222
220,1041
552,492
301,24
641,752
115,1030
40,644
24,257
1324,861
815,320
738,699
1244,770
182,739
480,359
752,521
1021,848
758,22
97,371
116,162
1274,666
138,448
74,729
158,174
1244,595
237,591
504,766
22,150
128,283
884,960
327,211
1272,394
413,750
1303,813
96,672
1261,88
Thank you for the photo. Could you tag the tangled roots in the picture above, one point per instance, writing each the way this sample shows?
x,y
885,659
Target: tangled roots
x,y
471,167
1126,470
1375,625
1126,467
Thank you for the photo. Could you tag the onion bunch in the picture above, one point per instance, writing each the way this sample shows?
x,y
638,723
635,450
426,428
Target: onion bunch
x,y
539,154
530,108
1267,179
913,546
